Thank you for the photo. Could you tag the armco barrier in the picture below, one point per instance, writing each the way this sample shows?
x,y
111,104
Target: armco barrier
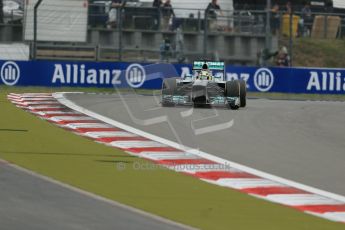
x,y
121,74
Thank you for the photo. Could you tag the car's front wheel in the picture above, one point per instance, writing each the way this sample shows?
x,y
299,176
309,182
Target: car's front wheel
x,y
243,93
233,90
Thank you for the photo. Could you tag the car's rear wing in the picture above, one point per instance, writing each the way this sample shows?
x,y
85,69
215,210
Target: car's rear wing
x,y
216,66
212,65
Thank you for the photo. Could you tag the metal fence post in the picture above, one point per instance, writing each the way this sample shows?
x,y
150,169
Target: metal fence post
x,y
240,21
325,27
205,33
120,27
34,54
159,18
1,12
291,36
341,29
199,21
268,42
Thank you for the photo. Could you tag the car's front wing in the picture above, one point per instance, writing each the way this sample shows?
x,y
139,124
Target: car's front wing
x,y
186,100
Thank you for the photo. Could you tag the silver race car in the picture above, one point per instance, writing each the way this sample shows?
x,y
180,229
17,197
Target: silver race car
x,y
206,86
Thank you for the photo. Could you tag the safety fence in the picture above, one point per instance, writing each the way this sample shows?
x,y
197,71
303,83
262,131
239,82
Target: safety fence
x,y
76,30
101,14
150,76
313,24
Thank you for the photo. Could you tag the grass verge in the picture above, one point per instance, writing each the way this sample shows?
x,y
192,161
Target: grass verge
x,y
292,96
307,52
42,147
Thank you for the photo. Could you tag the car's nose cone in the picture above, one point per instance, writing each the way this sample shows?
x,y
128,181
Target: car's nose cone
x,y
199,94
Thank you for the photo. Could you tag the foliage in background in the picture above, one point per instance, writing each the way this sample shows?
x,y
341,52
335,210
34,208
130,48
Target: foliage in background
x,y
317,52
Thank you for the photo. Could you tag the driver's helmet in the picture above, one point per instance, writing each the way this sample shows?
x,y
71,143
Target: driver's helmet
x,y
205,75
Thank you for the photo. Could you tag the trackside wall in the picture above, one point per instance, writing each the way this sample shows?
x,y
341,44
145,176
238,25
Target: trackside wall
x,y
149,76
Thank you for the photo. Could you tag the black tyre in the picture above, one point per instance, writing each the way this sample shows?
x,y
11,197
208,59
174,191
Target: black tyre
x,y
233,90
168,88
243,93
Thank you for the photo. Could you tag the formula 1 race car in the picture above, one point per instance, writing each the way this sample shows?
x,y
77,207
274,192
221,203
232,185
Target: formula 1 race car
x,y
206,86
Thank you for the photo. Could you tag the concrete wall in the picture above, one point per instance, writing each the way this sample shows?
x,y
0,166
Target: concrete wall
x,y
11,33
234,48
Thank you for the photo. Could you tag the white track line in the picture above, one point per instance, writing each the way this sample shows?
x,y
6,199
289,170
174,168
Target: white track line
x,y
291,198
70,118
136,144
61,98
277,190
247,183
301,199
168,155
109,134
88,125
192,168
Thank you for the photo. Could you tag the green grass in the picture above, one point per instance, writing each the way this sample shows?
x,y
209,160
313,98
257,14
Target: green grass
x,y
328,53
44,148
285,96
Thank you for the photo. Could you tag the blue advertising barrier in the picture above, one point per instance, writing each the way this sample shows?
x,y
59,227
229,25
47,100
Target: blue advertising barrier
x,y
149,76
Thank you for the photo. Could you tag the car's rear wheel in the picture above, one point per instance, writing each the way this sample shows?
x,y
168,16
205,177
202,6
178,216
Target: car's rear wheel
x,y
233,90
243,93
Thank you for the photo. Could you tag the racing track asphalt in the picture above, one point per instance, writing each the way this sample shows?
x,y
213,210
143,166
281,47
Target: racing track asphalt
x,y
31,203
303,141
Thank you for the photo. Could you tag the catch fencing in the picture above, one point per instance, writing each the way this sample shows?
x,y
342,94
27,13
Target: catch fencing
x,y
137,33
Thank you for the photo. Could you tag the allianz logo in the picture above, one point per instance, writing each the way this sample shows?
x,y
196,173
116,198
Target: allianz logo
x,y
79,74
326,81
10,73
135,75
263,79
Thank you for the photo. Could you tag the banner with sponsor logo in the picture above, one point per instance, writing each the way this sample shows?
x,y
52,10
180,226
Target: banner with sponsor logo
x,y
150,76
291,80
84,74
